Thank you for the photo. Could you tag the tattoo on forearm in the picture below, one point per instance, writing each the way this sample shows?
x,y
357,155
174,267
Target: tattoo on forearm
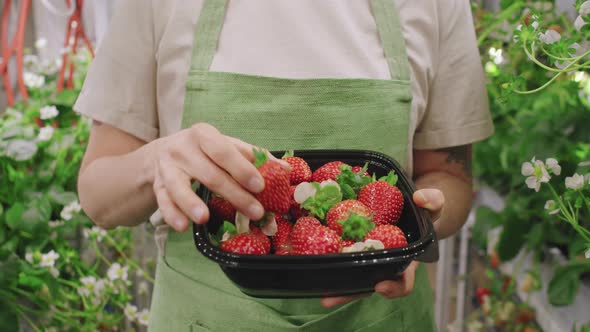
x,y
459,155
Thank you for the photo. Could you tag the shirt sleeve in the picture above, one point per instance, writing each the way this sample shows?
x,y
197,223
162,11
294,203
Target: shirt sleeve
x,y
120,87
457,111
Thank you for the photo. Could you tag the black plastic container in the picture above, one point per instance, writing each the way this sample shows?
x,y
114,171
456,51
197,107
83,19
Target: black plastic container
x,y
334,274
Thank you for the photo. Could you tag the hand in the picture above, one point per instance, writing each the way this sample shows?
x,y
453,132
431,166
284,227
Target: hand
x,y
223,164
431,199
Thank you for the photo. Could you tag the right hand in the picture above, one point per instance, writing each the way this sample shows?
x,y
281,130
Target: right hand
x,y
223,164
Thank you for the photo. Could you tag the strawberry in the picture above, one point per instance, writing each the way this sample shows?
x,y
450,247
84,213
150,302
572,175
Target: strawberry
x,y
245,243
525,315
494,260
328,171
309,237
263,238
281,241
300,171
275,196
342,212
221,209
347,243
482,292
359,170
391,236
295,210
384,198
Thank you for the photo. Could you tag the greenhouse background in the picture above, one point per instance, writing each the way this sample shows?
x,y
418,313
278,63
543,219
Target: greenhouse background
x,y
521,262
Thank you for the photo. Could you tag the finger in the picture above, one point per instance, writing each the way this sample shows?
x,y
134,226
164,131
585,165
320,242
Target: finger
x,y
431,199
329,302
247,150
392,289
170,212
178,186
228,158
218,181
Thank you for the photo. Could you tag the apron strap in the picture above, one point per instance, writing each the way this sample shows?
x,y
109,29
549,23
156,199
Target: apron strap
x,y
392,38
210,22
207,33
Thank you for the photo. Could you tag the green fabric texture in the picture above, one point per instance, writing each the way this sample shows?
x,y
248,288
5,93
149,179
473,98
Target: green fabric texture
x,y
191,292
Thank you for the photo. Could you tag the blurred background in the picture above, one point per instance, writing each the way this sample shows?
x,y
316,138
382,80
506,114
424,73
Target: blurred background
x,y
521,263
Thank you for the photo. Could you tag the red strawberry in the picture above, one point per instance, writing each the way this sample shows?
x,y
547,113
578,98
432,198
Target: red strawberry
x,y
245,243
391,236
275,196
494,260
328,171
221,209
358,169
347,243
309,237
281,241
482,292
525,315
295,210
340,212
383,197
262,237
300,171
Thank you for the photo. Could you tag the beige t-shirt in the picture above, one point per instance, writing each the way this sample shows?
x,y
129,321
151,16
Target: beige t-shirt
x,y
136,82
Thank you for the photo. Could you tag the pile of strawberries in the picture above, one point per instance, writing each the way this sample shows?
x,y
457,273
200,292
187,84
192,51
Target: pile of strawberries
x,y
337,208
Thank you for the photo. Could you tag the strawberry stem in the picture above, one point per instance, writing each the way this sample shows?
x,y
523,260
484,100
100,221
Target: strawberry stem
x,y
225,227
350,182
288,153
391,178
260,157
356,227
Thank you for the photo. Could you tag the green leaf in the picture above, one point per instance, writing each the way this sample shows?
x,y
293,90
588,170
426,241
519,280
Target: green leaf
x,y
484,222
9,269
59,196
564,285
324,198
356,227
512,238
8,317
13,215
31,281
30,219
225,227
535,238
66,97
585,328
350,182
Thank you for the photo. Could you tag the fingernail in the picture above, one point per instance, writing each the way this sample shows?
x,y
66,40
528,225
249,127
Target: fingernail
x,y
256,184
179,223
424,199
255,210
197,214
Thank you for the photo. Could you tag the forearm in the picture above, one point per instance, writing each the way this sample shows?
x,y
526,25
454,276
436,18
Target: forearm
x,y
458,195
118,190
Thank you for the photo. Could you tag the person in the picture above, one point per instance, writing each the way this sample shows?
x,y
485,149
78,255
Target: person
x,y
180,91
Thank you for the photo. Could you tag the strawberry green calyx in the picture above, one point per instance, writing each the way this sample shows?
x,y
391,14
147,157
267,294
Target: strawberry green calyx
x,y
356,227
260,157
226,227
325,197
350,182
288,153
391,178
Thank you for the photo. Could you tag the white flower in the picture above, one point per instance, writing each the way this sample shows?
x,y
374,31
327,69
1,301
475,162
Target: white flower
x,y
95,232
486,305
143,317
48,112
29,257
41,43
20,149
90,285
579,23
45,134
69,210
550,36
585,8
584,163
143,288
496,55
536,174
578,51
33,80
574,182
519,27
303,191
48,259
55,223
116,271
130,312
552,207
535,25
587,254
54,271
587,178
553,165
505,311
475,326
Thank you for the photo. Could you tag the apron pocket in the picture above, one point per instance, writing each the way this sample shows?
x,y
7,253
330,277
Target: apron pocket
x,y
195,327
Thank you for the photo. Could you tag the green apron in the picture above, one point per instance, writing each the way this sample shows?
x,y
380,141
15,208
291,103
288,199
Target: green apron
x,y
191,292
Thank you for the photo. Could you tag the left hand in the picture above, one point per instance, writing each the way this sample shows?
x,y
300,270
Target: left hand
x,y
431,199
